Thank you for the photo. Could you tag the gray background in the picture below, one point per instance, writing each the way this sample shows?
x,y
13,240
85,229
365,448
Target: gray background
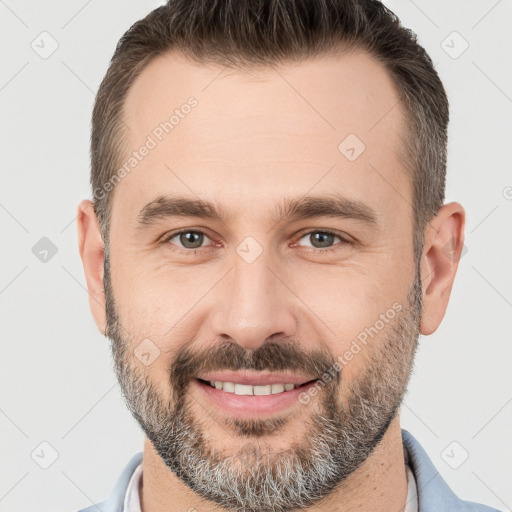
x,y
57,385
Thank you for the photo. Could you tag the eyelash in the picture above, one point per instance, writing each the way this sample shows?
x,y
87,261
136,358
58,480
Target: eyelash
x,y
192,252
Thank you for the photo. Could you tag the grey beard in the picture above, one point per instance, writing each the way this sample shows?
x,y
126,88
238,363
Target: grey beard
x,y
341,432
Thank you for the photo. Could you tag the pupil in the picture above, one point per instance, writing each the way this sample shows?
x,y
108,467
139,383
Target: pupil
x,y
321,238
186,238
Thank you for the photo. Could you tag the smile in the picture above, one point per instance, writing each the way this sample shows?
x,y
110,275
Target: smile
x,y
248,389
251,394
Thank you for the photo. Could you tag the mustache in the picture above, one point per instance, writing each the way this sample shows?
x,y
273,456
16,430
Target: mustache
x,y
273,356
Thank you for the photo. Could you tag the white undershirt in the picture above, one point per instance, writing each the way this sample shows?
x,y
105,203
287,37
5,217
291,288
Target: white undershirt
x,y
132,497
411,503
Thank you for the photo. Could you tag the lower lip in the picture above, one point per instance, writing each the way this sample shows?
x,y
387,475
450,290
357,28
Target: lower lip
x,y
250,405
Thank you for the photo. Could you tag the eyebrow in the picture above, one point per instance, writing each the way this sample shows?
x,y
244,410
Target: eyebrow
x,y
308,207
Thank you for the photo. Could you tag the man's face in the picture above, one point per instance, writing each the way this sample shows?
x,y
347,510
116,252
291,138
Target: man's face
x,y
269,299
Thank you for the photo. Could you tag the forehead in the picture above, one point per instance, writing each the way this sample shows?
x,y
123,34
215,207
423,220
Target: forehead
x,y
276,131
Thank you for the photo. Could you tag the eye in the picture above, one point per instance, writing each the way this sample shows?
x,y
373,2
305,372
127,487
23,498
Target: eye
x,y
322,240
190,241
187,239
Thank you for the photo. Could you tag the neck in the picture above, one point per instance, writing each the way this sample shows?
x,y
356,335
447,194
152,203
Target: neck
x,y
380,483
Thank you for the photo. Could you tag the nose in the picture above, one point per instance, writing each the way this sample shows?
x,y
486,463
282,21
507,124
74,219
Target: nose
x,y
254,304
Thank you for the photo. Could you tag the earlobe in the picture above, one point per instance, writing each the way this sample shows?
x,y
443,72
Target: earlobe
x,y
444,242
90,246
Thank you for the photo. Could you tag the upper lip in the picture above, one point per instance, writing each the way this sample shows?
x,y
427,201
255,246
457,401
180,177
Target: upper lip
x,y
255,379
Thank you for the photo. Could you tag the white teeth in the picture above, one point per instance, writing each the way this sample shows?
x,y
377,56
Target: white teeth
x,y
247,389
243,389
262,390
277,388
228,386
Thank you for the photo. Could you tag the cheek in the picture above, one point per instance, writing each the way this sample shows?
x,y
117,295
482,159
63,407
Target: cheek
x,y
355,310
159,311
151,299
346,298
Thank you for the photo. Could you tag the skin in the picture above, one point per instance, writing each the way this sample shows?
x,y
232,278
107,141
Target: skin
x,y
253,139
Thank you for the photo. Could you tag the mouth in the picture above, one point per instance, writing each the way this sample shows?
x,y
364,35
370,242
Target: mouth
x,y
252,390
252,395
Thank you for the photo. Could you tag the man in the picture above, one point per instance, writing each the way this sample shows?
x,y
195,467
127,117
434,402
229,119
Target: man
x,y
266,242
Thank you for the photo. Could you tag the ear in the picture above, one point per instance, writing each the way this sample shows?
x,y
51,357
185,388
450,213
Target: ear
x,y
90,245
444,242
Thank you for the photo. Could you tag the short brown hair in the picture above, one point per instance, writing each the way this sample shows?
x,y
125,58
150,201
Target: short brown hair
x,y
242,34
